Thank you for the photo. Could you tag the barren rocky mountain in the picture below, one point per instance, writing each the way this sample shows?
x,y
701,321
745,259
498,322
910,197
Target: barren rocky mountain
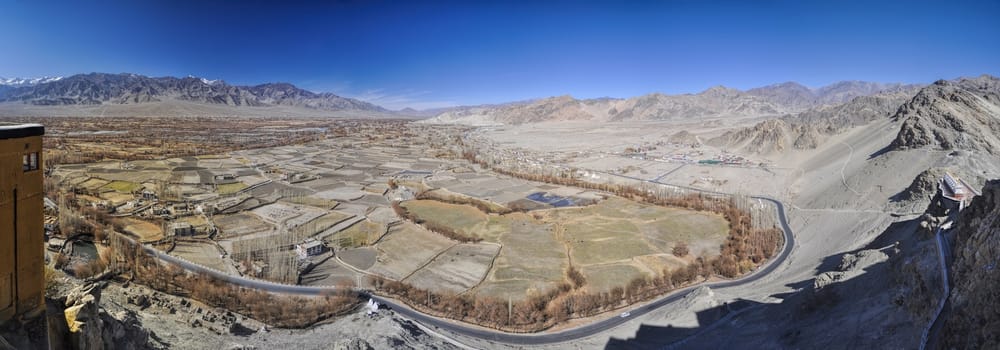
x,y
857,111
118,89
714,102
772,135
947,115
794,95
960,114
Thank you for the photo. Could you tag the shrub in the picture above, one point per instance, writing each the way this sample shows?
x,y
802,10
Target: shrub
x,y
680,250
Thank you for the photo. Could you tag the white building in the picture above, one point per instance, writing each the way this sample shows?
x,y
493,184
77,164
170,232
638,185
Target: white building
x,y
956,190
311,247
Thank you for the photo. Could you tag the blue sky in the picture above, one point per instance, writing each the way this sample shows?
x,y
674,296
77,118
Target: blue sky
x,y
433,54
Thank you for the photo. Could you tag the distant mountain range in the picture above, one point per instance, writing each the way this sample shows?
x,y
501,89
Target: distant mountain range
x,y
126,89
719,101
947,114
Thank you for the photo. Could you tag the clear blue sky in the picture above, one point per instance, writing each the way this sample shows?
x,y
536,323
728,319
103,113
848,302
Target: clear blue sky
x,y
430,54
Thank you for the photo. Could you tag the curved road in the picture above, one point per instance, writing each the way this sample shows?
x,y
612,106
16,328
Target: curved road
x,y
513,338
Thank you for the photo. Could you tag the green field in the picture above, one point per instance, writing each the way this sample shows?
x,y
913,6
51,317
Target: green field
x,y
601,278
122,186
231,188
464,219
358,235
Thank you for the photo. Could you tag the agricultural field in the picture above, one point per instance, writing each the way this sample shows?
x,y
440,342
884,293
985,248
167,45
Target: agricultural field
x,y
145,230
458,269
203,253
531,261
360,234
240,224
463,218
406,248
508,238
122,186
612,241
231,188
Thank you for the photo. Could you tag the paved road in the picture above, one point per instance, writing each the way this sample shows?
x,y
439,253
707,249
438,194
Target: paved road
x,y
510,338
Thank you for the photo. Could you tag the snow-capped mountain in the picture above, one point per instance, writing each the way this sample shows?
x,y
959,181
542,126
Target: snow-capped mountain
x,y
18,82
207,81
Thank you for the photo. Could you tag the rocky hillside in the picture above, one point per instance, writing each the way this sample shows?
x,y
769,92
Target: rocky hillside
x,y
952,115
683,137
793,94
975,301
719,101
101,88
810,128
772,135
857,111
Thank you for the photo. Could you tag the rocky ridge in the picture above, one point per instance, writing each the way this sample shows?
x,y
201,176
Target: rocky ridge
x,y
952,115
769,136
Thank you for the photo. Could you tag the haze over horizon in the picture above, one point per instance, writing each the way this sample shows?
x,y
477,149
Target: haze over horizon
x,y
452,53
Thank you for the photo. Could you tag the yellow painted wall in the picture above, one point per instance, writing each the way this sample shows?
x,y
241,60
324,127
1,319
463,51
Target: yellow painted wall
x,y
21,291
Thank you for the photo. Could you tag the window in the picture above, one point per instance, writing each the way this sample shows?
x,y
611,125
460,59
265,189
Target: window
x,y
30,161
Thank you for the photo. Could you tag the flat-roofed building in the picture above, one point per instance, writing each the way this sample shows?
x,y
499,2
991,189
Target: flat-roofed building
x,y
956,190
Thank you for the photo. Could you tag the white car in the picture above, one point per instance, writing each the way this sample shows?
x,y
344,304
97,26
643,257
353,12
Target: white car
x,y
625,314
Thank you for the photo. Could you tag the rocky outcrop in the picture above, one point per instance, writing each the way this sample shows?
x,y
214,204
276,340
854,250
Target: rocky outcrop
x,y
851,265
924,187
765,137
808,137
684,137
975,296
87,325
83,318
952,115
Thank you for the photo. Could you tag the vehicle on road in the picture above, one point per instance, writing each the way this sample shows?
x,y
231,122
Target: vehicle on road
x,y
625,314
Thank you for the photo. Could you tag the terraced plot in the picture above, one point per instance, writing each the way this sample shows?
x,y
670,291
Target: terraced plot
x,y
145,230
239,224
406,249
360,234
532,260
465,219
122,186
458,269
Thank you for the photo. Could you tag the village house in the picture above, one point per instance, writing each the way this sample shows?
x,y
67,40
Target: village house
x,y
311,247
